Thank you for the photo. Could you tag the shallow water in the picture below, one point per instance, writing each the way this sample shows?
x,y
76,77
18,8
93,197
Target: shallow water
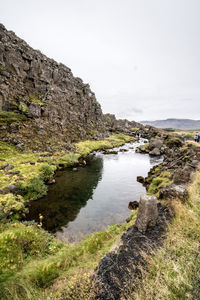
x,y
95,196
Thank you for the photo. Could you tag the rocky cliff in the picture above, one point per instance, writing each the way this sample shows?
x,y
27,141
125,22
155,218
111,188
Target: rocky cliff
x,y
42,105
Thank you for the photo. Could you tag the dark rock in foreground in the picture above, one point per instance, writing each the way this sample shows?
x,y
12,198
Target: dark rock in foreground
x,y
118,270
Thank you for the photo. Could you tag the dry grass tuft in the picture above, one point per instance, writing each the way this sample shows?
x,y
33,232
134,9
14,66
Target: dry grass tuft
x,y
174,270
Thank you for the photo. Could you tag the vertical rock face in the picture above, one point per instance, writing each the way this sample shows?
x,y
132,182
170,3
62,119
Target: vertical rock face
x,y
45,91
147,213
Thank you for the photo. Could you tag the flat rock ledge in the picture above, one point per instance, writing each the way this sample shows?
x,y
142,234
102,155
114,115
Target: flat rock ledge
x,y
119,270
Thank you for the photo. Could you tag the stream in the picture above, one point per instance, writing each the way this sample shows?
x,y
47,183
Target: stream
x,y
94,196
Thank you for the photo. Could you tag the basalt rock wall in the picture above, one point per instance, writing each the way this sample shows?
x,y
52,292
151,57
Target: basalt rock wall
x,y
122,125
46,93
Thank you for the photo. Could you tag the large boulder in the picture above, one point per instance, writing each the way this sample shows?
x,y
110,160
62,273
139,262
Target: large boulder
x,y
155,143
173,191
147,213
155,152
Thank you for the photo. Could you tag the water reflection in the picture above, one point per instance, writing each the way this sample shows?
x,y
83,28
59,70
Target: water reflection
x,y
67,196
95,196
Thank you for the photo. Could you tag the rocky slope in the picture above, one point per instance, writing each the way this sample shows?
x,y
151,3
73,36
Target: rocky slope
x,y
42,97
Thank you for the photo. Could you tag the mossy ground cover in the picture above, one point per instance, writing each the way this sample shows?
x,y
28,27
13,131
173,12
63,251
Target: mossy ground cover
x,y
158,181
31,165
7,117
35,169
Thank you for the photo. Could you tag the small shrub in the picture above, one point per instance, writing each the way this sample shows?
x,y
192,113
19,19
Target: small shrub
x,y
47,172
11,206
35,189
173,142
19,242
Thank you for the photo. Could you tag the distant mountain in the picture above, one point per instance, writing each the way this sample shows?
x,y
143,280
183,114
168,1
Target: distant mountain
x,y
174,123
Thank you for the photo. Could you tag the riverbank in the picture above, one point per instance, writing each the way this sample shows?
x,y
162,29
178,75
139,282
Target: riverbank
x,y
34,265
25,175
173,271
31,258
52,270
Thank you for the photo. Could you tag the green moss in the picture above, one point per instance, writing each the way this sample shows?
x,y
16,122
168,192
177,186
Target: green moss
x,y
34,189
158,182
8,117
144,148
18,159
47,172
23,107
35,98
11,206
86,147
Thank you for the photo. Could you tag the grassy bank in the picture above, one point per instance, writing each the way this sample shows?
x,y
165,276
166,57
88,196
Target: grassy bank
x,y
174,270
31,171
34,265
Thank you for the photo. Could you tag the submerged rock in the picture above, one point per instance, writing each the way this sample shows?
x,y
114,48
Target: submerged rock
x,y
141,179
133,205
110,152
51,181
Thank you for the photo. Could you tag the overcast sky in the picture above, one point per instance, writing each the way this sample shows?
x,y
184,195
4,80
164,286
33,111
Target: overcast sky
x,y
140,57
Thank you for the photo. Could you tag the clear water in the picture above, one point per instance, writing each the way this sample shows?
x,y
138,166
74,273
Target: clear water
x,y
95,196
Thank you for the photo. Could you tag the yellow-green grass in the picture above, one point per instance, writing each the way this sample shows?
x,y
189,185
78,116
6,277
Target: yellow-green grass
x,y
174,271
36,266
193,143
7,117
188,134
158,182
37,168
86,147
18,159
31,260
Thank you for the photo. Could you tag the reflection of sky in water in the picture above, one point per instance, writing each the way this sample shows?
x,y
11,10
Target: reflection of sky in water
x,y
93,197
109,202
